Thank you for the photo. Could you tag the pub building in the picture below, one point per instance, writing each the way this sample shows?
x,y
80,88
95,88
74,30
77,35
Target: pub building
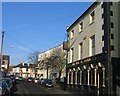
x,y
93,52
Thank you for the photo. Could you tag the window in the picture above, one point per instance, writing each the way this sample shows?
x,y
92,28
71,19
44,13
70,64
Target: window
x,y
92,45
74,77
68,35
78,77
92,17
72,34
71,55
26,69
81,27
92,77
80,52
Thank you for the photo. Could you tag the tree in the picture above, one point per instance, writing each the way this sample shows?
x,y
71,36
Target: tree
x,y
56,60
33,57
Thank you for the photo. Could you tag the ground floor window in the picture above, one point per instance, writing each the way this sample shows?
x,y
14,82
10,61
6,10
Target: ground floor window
x,y
84,77
92,77
78,77
70,78
74,77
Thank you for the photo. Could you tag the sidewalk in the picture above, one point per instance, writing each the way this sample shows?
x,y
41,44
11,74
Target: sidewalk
x,y
57,90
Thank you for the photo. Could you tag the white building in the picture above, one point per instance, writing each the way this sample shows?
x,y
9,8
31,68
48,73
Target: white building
x,y
94,50
25,70
42,71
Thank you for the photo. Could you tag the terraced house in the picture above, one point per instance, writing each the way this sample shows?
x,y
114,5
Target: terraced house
x,y
94,50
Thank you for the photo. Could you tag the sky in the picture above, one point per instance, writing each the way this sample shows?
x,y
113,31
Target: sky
x,y
36,26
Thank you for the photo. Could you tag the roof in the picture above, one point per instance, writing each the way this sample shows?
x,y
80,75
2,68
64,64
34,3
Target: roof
x,y
6,57
51,48
26,65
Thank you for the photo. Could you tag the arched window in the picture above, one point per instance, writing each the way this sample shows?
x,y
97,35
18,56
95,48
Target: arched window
x,y
78,77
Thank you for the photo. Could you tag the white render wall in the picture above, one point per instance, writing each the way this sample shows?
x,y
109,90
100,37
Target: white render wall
x,y
24,70
116,29
47,53
16,70
88,31
44,72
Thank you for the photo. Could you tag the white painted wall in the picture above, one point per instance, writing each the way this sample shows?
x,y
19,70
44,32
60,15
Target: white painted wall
x,y
88,31
116,30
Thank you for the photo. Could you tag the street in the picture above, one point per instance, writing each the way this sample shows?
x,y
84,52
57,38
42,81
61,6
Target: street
x,y
24,87
28,88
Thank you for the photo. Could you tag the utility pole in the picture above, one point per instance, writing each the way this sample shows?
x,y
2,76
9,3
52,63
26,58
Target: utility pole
x,y
1,54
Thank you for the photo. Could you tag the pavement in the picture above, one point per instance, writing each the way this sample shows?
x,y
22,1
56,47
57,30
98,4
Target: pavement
x,y
26,88
57,90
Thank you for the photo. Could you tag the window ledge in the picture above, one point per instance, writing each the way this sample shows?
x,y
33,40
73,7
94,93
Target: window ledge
x,y
71,39
80,32
91,23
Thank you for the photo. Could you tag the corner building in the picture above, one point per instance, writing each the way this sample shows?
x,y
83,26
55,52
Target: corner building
x,y
94,51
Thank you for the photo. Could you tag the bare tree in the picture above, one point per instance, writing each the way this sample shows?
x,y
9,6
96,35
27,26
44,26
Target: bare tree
x,y
33,57
57,60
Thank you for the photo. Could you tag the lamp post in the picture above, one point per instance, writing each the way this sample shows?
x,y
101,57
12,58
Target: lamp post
x,y
1,61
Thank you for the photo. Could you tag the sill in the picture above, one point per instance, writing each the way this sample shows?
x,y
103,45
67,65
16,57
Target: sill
x,y
91,23
80,32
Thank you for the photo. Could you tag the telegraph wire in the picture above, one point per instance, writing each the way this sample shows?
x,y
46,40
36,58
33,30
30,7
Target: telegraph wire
x,y
18,42
46,22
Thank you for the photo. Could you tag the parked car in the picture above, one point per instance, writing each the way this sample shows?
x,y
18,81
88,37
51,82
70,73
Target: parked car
x,y
5,88
36,80
12,77
17,78
47,83
20,78
9,82
29,79
41,81
0,88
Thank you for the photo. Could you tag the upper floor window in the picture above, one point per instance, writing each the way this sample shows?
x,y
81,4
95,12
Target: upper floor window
x,y
72,34
92,17
71,55
80,52
92,45
81,27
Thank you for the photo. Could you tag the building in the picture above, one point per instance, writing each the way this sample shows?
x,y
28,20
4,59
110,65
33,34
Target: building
x,y
44,71
94,50
24,69
10,70
5,64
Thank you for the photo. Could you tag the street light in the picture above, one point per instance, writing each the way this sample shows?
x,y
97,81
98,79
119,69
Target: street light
x,y
1,54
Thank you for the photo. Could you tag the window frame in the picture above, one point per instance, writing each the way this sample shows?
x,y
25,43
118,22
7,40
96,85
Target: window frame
x,y
71,55
92,46
72,34
80,27
80,52
92,17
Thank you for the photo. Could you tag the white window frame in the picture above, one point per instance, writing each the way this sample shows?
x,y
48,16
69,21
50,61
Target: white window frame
x,y
72,34
80,50
92,17
92,46
71,54
80,26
